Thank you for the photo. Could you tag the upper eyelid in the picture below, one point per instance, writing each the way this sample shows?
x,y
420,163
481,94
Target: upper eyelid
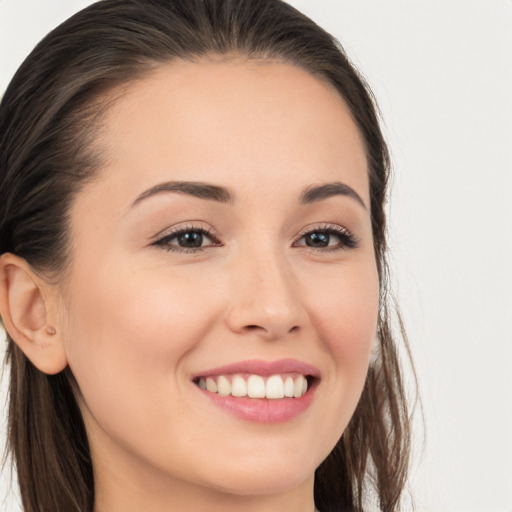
x,y
181,228
324,227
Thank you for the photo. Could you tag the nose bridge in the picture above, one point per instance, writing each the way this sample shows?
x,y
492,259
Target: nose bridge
x,y
265,297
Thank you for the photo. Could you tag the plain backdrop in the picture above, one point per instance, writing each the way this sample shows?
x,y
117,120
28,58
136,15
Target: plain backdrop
x,y
441,71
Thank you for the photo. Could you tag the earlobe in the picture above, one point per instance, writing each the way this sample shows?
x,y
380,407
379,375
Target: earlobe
x,y
26,308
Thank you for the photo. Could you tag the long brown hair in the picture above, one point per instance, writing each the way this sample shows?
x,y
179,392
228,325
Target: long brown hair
x,y
49,116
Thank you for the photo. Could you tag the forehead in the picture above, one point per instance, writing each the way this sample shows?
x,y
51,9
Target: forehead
x,y
220,121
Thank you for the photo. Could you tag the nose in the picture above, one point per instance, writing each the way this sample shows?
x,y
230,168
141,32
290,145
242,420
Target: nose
x,y
265,298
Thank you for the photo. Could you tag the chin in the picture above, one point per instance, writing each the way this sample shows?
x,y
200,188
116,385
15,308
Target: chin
x,y
262,478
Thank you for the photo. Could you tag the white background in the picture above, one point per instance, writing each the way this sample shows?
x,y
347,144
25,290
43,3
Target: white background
x,y
442,73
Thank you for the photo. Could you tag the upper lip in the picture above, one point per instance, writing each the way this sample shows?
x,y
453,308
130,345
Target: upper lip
x,y
263,368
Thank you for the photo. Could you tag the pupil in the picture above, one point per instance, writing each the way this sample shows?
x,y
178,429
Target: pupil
x,y
191,239
317,240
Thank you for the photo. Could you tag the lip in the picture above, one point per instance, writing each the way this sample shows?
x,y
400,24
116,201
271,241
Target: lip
x,y
263,368
262,410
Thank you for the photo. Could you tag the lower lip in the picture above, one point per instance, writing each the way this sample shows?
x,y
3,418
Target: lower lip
x,y
262,410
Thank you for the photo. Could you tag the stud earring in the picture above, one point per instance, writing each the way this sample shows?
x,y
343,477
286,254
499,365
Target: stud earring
x,y
51,331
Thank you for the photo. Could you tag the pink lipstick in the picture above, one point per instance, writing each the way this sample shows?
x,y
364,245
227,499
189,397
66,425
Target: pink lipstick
x,y
261,391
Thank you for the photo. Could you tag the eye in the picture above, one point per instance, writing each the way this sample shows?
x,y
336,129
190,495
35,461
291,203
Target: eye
x,y
329,237
187,239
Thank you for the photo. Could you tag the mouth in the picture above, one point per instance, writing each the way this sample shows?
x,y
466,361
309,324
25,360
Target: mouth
x,y
259,391
272,387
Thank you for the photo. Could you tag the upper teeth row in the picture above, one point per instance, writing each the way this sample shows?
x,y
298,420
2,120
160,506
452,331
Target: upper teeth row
x,y
255,386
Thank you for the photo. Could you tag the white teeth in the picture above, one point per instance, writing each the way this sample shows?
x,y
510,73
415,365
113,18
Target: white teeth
x,y
238,386
298,386
211,385
275,387
224,386
255,386
288,387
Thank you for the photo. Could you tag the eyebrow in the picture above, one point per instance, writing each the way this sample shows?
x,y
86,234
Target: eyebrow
x,y
311,194
316,193
191,188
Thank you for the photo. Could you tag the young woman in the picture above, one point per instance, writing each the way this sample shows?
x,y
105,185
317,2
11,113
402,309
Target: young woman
x,y
193,275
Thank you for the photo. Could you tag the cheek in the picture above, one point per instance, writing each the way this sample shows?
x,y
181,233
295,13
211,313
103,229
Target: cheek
x,y
122,310
128,333
346,312
349,300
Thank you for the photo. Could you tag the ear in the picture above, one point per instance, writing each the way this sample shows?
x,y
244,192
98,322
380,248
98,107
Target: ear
x,y
27,306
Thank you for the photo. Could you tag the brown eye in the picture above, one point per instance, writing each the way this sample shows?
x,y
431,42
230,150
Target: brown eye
x,y
190,240
329,238
317,239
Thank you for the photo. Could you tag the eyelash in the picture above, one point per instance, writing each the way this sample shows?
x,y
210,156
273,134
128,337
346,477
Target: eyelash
x,y
168,237
346,239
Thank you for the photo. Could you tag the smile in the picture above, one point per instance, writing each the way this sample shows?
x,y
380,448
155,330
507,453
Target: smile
x,y
272,387
260,391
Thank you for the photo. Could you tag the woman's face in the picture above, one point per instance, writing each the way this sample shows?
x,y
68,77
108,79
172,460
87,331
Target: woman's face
x,y
227,243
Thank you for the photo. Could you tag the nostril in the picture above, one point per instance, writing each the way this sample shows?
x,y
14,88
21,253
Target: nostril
x,y
269,331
